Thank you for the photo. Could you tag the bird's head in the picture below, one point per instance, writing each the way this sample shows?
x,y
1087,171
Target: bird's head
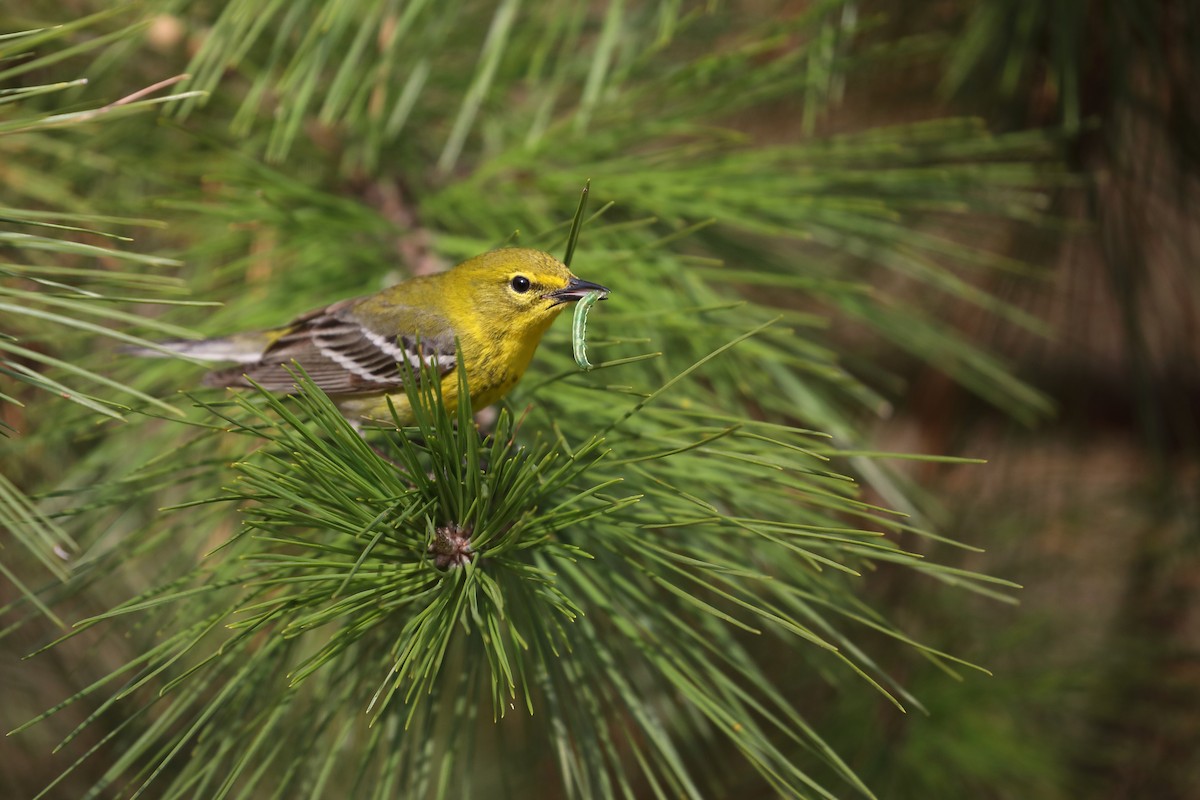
x,y
528,288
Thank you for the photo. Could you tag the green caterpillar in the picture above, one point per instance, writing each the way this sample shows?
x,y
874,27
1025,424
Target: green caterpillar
x,y
579,328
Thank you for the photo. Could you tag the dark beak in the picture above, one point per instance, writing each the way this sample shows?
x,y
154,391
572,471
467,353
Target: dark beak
x,y
575,290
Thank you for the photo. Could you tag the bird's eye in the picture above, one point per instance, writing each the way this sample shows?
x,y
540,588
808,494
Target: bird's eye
x,y
520,284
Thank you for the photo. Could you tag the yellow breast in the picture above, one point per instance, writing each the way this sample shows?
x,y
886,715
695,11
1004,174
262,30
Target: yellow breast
x,y
494,366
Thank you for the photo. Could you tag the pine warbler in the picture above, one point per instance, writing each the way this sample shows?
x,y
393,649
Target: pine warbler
x,y
496,306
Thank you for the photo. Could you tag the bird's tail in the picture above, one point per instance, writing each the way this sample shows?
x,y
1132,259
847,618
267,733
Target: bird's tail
x,y
241,348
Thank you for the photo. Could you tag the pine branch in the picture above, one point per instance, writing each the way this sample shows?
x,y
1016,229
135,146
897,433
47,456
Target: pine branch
x,y
543,566
40,298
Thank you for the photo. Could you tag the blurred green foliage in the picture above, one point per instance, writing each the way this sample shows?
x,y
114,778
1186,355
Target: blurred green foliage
x,y
674,574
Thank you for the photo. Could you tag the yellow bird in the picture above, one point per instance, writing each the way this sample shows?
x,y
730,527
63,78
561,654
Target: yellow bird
x,y
495,307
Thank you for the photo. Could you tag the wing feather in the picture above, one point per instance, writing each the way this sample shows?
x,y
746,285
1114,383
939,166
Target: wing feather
x,y
343,355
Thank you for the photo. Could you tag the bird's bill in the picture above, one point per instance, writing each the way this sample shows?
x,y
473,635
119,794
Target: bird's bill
x,y
575,290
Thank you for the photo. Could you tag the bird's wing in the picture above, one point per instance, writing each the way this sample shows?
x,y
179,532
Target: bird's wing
x,y
343,355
